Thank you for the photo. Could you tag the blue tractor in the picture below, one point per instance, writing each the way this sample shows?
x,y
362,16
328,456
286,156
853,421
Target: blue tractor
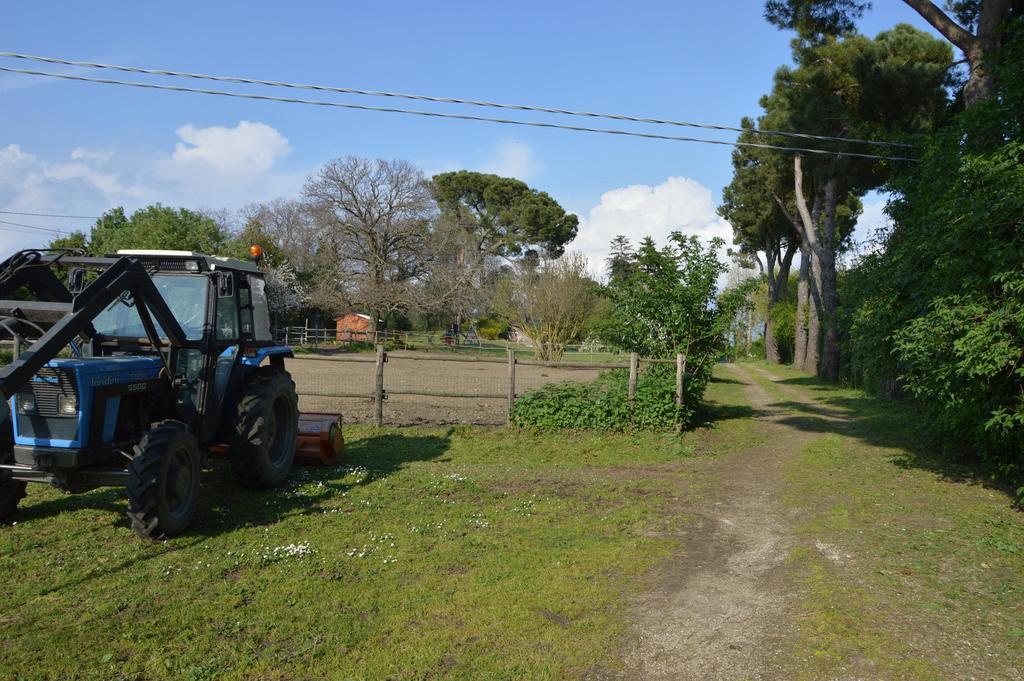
x,y
138,364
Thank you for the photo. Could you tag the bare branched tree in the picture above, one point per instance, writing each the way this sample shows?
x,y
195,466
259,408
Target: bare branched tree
x,y
374,218
286,228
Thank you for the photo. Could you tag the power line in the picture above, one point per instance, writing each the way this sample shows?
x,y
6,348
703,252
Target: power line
x,y
26,232
442,100
40,229
464,117
51,215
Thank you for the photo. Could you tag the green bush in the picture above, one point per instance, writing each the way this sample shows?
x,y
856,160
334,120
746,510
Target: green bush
x,y
938,314
492,328
784,325
603,403
757,349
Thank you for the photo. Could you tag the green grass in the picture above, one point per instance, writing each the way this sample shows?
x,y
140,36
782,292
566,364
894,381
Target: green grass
x,y
475,553
461,552
909,566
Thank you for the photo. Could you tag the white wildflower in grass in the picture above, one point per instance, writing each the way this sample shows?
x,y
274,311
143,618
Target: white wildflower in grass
x,y
292,551
525,506
357,553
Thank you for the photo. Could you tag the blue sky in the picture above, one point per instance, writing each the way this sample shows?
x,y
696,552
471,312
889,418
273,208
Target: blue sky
x,y
81,148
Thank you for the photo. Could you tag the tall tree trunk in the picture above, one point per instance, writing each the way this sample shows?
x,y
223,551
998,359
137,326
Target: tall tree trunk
x,y
828,285
802,305
771,345
750,329
813,306
814,289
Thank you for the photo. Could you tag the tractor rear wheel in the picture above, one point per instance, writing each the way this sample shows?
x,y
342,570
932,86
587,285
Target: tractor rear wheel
x,y
163,481
266,429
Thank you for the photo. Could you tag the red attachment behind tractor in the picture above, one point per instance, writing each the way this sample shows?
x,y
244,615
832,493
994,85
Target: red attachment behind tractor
x,y
321,441
320,438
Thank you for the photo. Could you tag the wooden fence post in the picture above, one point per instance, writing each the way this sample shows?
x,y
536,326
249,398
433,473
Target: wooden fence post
x,y
378,393
511,382
634,366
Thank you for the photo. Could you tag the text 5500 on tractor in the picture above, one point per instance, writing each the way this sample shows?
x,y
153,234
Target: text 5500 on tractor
x,y
140,364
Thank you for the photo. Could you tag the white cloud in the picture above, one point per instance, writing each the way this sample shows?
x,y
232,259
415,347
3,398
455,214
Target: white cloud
x,y
640,210
219,166
513,159
29,183
12,154
246,148
215,167
98,156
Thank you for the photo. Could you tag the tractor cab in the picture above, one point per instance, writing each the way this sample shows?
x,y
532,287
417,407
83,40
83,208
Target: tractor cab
x,y
221,306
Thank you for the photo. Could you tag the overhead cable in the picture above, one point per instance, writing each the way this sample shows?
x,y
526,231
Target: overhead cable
x,y
443,100
50,215
33,227
464,117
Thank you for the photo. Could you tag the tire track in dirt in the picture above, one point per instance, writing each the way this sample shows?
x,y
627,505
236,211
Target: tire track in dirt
x,y
718,608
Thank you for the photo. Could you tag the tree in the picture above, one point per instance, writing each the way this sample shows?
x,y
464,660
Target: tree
x,y
285,294
741,270
755,203
976,27
551,302
157,227
374,217
285,228
504,216
850,87
75,240
461,277
619,262
815,18
938,312
668,305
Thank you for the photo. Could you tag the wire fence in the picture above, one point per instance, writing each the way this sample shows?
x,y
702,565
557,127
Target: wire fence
x,y
327,340
409,387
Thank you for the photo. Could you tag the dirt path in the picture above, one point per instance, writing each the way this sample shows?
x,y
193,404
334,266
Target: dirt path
x,y
717,611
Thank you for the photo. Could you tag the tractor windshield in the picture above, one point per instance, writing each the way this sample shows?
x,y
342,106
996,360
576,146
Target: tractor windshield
x,y
184,294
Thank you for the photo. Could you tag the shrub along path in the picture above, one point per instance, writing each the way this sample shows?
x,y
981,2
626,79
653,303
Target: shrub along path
x,y
834,546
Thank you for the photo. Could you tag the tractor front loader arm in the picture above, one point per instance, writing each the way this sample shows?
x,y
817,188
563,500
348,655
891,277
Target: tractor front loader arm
x,y
125,276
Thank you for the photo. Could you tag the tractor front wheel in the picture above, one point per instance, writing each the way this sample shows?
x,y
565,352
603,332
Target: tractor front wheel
x,y
163,481
11,491
266,429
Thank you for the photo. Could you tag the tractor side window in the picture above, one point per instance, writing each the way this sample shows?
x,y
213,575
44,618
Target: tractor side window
x,y
260,313
227,318
245,310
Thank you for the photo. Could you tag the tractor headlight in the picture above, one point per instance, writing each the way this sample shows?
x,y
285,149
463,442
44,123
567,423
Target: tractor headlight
x,y
67,405
26,403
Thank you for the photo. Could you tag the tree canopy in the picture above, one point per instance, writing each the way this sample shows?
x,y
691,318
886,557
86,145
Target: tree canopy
x,y
976,27
157,227
504,215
